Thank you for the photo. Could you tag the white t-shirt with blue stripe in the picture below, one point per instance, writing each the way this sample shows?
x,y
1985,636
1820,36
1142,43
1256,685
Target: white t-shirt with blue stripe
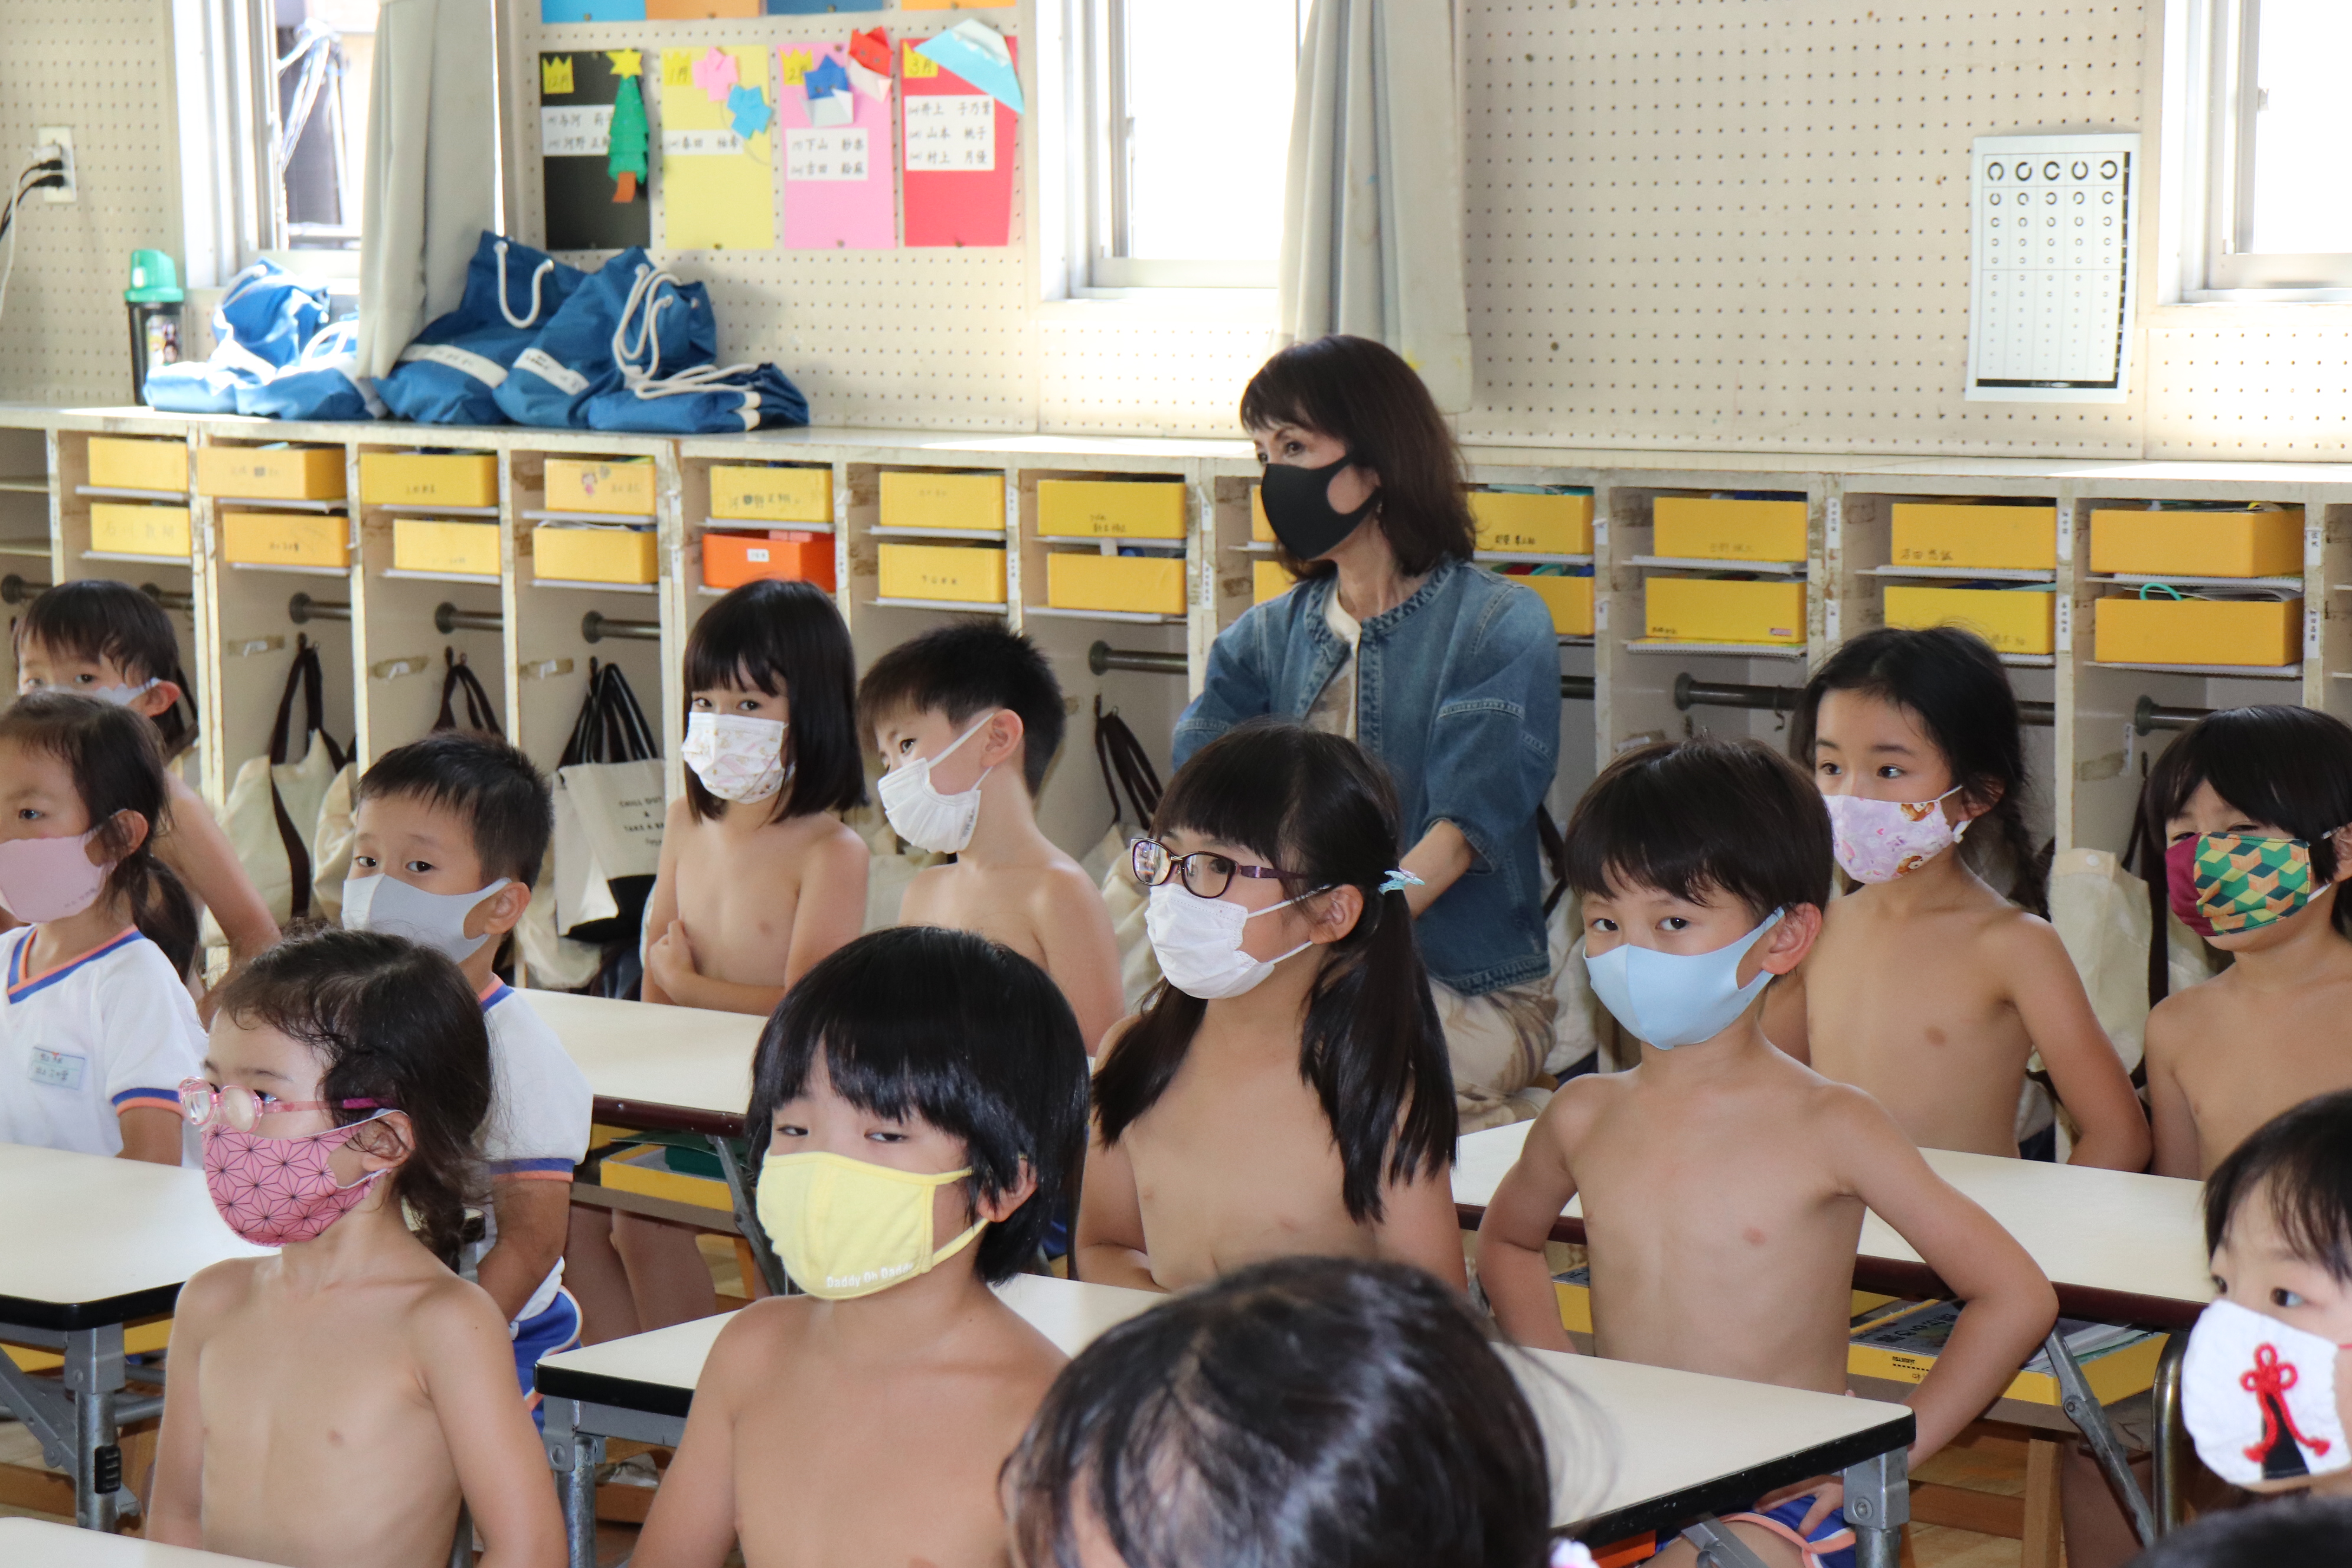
x,y
102,1033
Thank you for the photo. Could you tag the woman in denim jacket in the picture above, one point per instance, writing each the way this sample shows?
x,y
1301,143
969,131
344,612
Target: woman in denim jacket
x,y
1448,673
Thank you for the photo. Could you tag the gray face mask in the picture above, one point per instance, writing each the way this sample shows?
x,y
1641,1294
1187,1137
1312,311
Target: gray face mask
x,y
437,920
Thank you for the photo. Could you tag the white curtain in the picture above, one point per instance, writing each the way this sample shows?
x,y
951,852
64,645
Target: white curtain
x,y
432,168
1372,233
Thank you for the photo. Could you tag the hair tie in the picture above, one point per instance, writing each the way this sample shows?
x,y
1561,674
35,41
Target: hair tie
x,y
1397,881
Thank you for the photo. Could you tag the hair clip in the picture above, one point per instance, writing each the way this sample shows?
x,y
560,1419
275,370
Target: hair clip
x,y
1398,881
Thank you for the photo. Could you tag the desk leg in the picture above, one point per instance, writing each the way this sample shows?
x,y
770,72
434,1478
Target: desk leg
x,y
575,1455
1878,1505
93,1373
2083,1408
747,1219
2165,1399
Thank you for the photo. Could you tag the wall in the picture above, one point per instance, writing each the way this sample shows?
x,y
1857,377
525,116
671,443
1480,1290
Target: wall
x,y
1691,224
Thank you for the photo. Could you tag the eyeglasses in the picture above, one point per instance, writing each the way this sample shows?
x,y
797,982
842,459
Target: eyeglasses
x,y
1205,874
233,1105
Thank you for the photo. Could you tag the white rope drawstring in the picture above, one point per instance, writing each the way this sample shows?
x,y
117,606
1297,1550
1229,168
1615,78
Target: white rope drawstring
x,y
645,303
537,277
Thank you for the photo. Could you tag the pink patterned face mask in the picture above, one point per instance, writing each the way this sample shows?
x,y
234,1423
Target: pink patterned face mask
x,y
1879,840
272,1191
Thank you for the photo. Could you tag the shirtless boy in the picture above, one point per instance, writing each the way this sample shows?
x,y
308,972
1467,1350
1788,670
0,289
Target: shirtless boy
x,y
924,1094
1719,1170
2270,1031
967,717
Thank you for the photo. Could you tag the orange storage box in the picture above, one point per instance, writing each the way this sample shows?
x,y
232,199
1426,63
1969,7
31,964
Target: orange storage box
x,y
731,560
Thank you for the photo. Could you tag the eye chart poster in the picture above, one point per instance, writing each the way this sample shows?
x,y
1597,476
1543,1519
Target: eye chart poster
x,y
835,126
2050,297
961,145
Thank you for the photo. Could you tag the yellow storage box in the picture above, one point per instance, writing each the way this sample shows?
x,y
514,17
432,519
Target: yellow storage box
x,y
1540,524
1962,533
1701,528
2012,620
286,539
765,493
1573,1290
429,479
422,544
1260,530
965,573
594,554
925,499
2258,633
622,486
1708,609
1147,585
2199,543
1110,508
1269,580
1569,600
2118,1362
270,473
119,528
658,1171
127,463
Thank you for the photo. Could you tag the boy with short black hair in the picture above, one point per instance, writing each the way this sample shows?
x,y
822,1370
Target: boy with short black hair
x,y
1718,1172
919,1101
967,718
449,834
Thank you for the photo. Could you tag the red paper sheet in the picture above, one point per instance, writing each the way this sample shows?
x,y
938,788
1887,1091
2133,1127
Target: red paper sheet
x,y
962,206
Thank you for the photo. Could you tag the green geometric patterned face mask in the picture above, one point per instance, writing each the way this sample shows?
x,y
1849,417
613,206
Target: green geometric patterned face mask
x,y
2245,882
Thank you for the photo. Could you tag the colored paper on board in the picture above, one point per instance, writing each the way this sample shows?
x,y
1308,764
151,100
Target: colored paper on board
x,y
950,4
871,49
821,7
837,186
591,11
699,10
578,89
714,73
718,184
958,146
976,52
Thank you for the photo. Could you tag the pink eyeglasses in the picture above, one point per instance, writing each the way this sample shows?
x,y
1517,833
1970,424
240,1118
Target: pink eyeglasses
x,y
235,1106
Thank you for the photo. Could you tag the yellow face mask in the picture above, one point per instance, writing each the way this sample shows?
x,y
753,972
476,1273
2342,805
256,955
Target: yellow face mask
x,y
844,1228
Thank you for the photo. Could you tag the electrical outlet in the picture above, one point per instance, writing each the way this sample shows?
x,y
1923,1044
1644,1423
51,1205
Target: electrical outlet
x,y
61,137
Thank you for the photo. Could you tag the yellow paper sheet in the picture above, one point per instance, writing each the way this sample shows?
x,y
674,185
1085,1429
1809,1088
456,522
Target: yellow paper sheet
x,y
719,189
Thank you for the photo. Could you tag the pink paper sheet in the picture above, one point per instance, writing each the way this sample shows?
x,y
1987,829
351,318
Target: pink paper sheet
x,y
823,209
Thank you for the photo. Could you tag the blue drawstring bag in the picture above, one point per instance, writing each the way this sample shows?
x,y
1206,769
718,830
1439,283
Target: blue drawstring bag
x,y
451,373
323,382
739,397
259,327
628,310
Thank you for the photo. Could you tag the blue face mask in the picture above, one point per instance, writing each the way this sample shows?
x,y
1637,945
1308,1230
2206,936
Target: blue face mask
x,y
1672,999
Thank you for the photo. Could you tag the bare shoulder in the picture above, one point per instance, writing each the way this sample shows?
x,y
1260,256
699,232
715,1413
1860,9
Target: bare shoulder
x,y
1115,1035
215,1292
754,1336
183,796
680,817
2010,934
448,1305
1061,878
831,844
1574,1110
2177,1023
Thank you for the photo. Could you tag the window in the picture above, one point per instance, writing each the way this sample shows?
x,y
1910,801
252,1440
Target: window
x,y
1184,121
2268,208
325,55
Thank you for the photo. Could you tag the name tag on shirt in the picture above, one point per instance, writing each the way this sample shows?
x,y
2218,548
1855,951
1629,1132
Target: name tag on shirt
x,y
59,1069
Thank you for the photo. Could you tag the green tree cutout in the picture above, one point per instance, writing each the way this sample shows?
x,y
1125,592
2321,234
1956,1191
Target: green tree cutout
x,y
624,160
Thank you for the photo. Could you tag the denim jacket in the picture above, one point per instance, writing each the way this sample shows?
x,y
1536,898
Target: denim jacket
x,y
1457,692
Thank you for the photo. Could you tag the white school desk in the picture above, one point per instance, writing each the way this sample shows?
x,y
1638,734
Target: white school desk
x,y
2118,1248
1677,1448
94,1244
36,1543
679,1069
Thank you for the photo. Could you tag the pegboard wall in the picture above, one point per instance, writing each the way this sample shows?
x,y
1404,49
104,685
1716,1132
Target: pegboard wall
x,y
104,68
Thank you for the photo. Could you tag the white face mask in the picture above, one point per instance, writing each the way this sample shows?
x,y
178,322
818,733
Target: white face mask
x,y
738,757
1199,943
436,920
1676,998
2259,1396
120,696
923,816
1879,840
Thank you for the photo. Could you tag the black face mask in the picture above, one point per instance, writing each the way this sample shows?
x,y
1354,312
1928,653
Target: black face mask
x,y
1299,505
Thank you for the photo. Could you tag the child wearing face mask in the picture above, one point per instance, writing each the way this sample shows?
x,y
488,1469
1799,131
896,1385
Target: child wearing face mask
x,y
448,834
96,1028
333,1402
2246,832
922,1099
759,878
1928,988
108,640
1284,1089
2266,1386
967,717
1717,1171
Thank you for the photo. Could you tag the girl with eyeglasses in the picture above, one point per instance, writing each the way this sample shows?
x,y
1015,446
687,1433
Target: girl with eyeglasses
x,y
1283,1090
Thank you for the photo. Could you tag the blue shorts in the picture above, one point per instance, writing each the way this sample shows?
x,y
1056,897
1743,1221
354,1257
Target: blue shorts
x,y
1831,1545
556,1329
